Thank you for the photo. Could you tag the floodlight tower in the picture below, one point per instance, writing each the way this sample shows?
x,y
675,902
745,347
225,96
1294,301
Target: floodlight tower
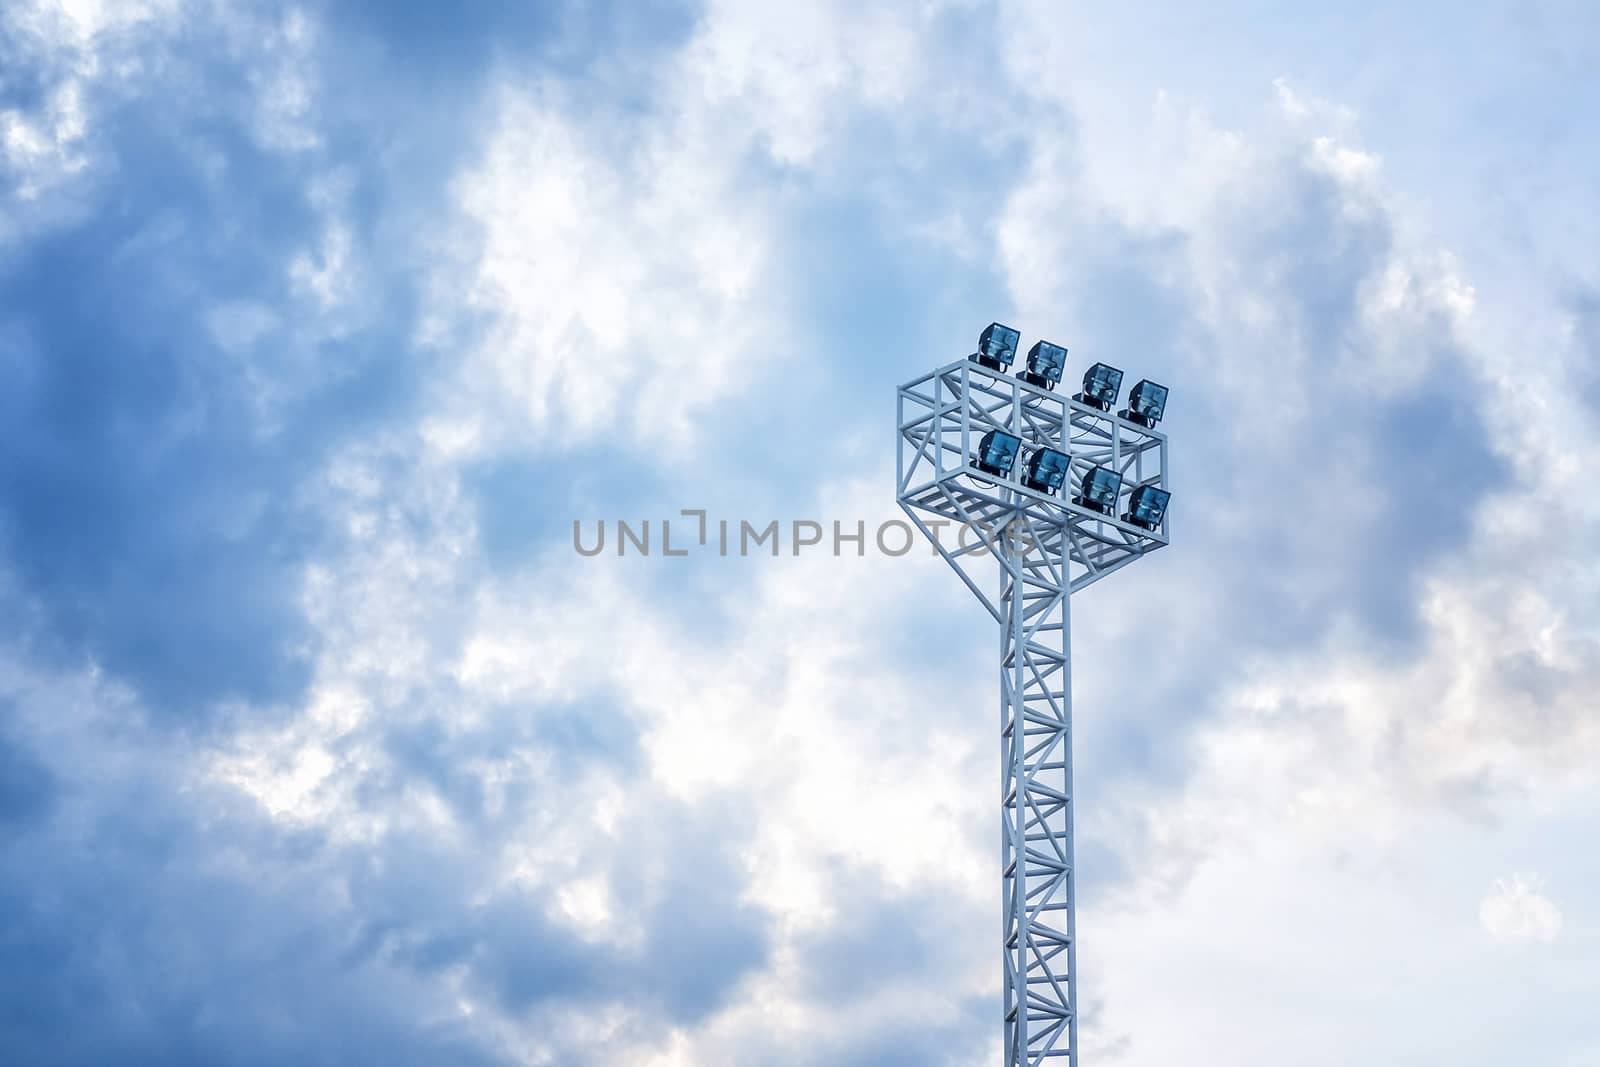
x,y
1061,492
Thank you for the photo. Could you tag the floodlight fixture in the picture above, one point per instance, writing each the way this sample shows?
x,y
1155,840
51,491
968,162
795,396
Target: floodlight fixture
x,y
997,453
1101,383
997,346
1147,402
1146,506
1045,364
1098,490
1046,469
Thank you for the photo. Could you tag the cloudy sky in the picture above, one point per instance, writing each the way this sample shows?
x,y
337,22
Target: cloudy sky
x,y
319,326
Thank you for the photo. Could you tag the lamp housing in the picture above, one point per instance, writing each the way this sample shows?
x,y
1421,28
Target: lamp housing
x,y
1147,402
997,453
997,346
1101,383
1045,364
1147,506
1045,470
1099,490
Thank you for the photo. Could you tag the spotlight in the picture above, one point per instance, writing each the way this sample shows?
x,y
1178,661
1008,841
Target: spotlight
x,y
1099,490
1045,471
1146,506
997,453
1146,403
997,347
1101,383
1045,363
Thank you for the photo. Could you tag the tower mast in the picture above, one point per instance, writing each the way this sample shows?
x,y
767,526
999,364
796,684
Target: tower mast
x,y
1060,492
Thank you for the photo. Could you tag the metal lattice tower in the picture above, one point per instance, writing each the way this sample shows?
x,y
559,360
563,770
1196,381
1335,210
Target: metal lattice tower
x,y
1045,548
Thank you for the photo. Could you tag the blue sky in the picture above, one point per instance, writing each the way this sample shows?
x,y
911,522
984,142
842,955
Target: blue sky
x,y
319,326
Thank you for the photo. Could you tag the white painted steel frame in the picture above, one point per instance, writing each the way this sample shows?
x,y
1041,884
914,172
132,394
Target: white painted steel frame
x,y
1046,548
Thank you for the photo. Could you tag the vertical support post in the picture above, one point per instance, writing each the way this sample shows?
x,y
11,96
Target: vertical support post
x,y
1037,851
1069,822
1014,838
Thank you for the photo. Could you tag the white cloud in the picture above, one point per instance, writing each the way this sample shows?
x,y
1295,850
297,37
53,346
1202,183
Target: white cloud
x,y
78,48
827,749
89,55
281,70
624,263
45,149
78,23
1516,909
615,273
786,70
